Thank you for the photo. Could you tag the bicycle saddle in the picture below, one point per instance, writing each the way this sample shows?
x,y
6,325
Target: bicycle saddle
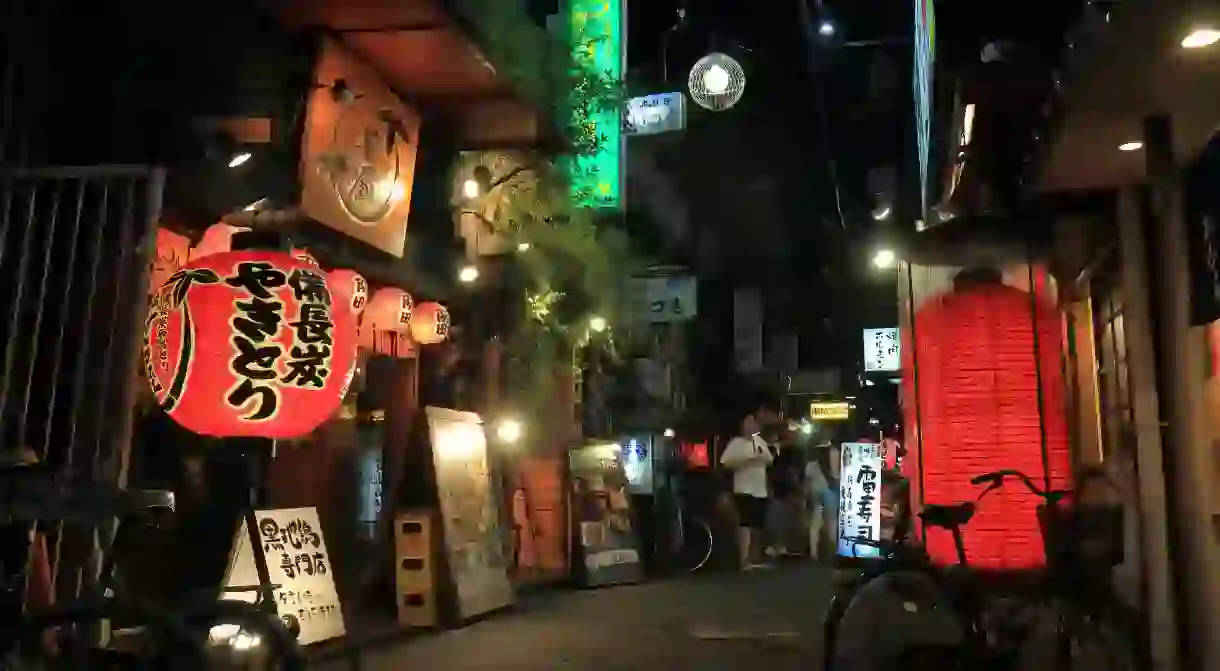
x,y
947,516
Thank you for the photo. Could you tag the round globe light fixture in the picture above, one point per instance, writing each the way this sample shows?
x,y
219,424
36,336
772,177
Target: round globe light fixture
x,y
716,82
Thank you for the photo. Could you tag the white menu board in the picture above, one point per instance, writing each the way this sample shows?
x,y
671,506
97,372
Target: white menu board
x,y
859,498
881,350
297,561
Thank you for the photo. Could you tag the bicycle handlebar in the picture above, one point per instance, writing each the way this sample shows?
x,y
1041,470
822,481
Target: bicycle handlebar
x,y
995,480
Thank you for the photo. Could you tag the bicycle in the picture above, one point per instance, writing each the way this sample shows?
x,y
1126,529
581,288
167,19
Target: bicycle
x,y
34,494
1078,610
694,539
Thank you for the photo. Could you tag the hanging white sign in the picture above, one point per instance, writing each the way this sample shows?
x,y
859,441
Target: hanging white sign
x,y
859,499
881,350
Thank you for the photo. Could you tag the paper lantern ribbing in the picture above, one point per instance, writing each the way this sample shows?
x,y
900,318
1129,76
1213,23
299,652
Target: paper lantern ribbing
x,y
248,343
390,310
217,239
349,288
716,82
990,387
430,323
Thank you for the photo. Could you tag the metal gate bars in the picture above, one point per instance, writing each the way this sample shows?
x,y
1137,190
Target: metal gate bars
x,y
75,247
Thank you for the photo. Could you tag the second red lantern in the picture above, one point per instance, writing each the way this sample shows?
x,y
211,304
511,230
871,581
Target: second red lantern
x,y
249,343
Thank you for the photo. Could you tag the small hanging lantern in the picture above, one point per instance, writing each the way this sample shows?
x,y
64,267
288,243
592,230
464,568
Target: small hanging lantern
x,y
390,310
249,343
217,239
430,323
348,288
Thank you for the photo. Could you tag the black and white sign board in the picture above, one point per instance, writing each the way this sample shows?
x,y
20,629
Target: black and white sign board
x,y
881,350
298,562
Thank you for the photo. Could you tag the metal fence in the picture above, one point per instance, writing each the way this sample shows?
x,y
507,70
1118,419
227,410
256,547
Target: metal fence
x,y
75,246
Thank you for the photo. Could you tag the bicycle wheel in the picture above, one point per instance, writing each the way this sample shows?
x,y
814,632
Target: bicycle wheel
x,y
1068,635
697,544
917,618
173,643
257,635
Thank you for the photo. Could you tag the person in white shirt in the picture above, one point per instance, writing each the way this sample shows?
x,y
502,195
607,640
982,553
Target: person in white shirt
x,y
748,456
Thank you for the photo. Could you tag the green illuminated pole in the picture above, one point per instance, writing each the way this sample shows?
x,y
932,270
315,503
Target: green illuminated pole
x,y
596,32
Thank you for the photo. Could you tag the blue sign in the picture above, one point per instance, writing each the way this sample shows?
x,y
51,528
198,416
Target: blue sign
x,y
653,114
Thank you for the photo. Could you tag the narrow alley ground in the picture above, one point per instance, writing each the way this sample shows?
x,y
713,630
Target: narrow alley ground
x,y
704,623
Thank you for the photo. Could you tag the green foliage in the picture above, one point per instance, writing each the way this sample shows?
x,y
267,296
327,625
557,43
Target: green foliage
x,y
580,260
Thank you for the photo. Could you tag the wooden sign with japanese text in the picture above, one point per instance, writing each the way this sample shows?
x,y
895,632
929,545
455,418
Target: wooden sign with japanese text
x,y
298,562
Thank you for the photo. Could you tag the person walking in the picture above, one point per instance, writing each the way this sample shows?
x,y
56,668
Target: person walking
x,y
823,498
747,456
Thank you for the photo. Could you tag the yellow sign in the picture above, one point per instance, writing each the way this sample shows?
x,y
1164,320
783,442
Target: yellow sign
x,y
829,411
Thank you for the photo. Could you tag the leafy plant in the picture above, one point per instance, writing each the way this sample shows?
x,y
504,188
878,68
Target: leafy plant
x,y
579,260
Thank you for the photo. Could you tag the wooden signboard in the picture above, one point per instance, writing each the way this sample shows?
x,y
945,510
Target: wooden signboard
x,y
298,562
470,514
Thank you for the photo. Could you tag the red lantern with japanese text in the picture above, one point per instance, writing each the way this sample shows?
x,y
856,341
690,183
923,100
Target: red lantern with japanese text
x,y
390,309
430,323
217,239
349,288
249,343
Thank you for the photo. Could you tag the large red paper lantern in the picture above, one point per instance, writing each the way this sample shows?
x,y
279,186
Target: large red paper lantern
x,y
390,309
349,288
249,343
217,239
430,323
988,365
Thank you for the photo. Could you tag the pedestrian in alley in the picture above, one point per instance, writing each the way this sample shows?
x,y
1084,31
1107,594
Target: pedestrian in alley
x,y
747,456
821,491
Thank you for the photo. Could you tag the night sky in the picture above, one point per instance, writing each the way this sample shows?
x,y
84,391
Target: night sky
x,y
759,176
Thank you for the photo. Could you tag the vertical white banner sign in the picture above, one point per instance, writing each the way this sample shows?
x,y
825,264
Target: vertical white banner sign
x,y
859,499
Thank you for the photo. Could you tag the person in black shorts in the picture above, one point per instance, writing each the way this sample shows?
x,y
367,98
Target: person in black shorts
x,y
748,457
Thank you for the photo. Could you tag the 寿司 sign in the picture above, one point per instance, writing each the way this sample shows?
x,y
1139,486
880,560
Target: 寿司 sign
x,y
860,467
249,343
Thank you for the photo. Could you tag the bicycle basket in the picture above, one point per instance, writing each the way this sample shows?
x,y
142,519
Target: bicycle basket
x,y
1083,536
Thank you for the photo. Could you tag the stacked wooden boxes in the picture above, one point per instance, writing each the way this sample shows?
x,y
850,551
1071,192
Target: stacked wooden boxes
x,y
416,545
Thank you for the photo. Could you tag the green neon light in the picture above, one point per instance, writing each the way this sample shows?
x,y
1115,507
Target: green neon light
x,y
597,25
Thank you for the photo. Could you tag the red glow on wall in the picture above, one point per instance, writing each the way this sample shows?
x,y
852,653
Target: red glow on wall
x,y
980,369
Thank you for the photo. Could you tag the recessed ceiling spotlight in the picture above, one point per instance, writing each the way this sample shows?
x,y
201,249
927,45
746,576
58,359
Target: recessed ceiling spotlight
x,y
1130,146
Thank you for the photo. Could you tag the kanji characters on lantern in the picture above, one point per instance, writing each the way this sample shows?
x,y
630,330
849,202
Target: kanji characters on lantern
x,y
249,343
390,309
349,288
430,323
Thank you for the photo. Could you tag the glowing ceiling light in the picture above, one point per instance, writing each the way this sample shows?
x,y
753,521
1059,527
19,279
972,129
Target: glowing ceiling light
x,y
1130,146
239,159
1200,38
716,80
885,258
